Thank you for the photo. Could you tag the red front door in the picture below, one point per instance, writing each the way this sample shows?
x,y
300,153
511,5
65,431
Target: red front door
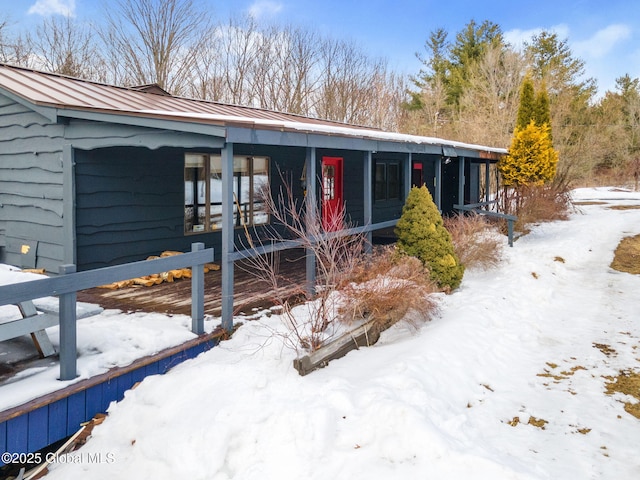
x,y
332,200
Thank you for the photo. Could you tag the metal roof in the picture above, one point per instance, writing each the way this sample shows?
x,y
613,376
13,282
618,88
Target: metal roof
x,y
68,94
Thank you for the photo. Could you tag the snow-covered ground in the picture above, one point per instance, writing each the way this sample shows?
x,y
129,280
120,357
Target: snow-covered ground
x,y
525,340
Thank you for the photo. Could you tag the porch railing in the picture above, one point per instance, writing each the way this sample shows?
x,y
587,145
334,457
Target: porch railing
x,y
69,282
478,208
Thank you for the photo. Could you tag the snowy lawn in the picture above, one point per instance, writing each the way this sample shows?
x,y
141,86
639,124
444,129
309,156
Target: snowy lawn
x,y
508,382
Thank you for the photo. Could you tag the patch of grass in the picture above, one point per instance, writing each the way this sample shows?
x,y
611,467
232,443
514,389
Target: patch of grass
x,y
627,383
589,202
476,242
558,259
627,255
537,422
606,349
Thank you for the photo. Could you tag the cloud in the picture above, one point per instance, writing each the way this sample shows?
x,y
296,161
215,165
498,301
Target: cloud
x,y
54,7
603,41
517,37
264,8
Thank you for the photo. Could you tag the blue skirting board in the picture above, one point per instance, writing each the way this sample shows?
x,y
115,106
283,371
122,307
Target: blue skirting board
x,y
41,422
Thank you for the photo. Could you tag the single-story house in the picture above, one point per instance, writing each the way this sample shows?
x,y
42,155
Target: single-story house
x,y
96,175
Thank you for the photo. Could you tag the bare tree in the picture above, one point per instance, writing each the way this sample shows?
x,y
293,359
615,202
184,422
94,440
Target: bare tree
x,y
337,257
64,46
489,104
15,50
155,41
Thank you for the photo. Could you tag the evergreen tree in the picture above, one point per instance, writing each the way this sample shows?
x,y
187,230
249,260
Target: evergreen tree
x,y
531,159
542,111
421,234
527,107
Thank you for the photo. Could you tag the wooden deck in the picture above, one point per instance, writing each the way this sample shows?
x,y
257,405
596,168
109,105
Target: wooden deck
x,y
175,298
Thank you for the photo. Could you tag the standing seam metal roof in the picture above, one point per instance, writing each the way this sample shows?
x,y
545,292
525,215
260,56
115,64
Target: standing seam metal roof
x,y
68,93
54,90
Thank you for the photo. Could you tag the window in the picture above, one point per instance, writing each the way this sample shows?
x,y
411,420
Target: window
x,y
203,191
387,181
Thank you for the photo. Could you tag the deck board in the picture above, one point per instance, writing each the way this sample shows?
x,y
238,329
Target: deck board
x,y
175,298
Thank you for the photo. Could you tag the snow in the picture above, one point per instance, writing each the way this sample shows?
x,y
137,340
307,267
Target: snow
x,y
439,402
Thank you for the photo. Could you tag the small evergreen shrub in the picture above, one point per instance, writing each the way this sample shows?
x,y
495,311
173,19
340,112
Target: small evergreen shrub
x,y
421,234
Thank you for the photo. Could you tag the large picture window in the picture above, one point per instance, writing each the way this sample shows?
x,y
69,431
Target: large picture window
x,y
203,191
387,181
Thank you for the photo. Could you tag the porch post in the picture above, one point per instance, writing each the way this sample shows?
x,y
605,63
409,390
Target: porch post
x,y
461,180
68,204
227,237
197,293
312,215
68,334
406,172
487,180
438,181
367,178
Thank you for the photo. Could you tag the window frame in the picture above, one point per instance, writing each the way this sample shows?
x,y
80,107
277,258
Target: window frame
x,y
387,186
244,166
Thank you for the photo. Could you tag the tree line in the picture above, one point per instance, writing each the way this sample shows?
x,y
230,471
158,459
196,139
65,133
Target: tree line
x,y
467,90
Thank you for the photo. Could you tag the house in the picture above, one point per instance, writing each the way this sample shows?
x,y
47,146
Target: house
x,y
97,175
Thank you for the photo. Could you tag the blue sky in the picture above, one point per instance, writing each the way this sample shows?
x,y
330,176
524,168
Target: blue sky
x,y
605,34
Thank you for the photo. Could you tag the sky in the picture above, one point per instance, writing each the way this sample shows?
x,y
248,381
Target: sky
x,y
466,395
606,35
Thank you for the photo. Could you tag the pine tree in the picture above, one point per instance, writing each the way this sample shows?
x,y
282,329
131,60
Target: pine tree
x,y
421,234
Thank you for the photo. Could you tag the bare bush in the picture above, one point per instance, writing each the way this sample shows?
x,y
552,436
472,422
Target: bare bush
x,y
386,288
476,240
336,257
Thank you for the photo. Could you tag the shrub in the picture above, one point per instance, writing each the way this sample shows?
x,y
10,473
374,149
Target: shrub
x,y
387,288
476,241
421,234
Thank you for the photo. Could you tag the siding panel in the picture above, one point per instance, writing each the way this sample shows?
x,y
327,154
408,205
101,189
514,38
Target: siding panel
x,y
30,184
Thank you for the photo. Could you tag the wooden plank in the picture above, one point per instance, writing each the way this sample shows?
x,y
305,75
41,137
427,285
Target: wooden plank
x,y
152,369
76,411
93,401
17,434
38,429
3,437
109,393
362,336
24,326
57,420
124,382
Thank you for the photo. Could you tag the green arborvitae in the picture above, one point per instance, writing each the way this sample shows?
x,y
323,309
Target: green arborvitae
x,y
421,234
527,106
542,111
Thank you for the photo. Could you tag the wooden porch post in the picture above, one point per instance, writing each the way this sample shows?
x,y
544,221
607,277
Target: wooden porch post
x,y
312,214
197,293
487,180
367,178
406,172
68,334
227,237
461,180
68,204
438,182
